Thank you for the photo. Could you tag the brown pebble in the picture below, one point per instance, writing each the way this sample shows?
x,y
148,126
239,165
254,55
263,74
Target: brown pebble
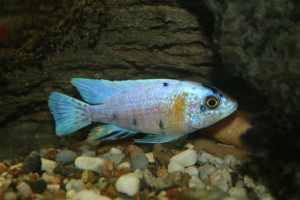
x,y
33,177
2,168
174,193
89,186
57,181
161,172
108,167
110,191
51,154
60,194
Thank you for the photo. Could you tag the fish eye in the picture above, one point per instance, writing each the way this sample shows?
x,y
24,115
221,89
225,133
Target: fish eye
x,y
212,102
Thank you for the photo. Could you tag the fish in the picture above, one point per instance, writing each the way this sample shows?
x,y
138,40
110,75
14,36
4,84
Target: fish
x,y
165,110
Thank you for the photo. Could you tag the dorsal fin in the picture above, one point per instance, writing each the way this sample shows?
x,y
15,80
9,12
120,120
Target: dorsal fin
x,y
96,91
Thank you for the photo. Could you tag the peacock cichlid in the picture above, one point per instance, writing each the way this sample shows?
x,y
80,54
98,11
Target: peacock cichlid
x,y
165,109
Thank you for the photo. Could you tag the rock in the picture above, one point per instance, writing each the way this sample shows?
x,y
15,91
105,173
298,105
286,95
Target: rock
x,y
89,154
238,193
138,173
150,157
128,184
76,185
115,158
32,163
48,177
38,186
204,157
89,195
89,163
196,182
65,170
211,194
124,165
24,190
115,150
53,187
222,179
230,130
2,167
88,176
65,156
192,170
10,196
220,150
70,194
159,183
138,158
189,146
186,158
175,166
48,165
205,171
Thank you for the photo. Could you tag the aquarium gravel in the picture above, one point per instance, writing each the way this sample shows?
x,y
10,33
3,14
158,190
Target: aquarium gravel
x,y
127,171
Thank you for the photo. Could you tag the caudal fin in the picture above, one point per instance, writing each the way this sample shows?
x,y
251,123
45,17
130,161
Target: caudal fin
x,y
69,114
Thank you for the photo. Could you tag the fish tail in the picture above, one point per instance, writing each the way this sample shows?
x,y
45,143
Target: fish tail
x,y
69,114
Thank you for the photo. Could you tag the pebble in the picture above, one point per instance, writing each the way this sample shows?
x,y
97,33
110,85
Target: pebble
x,y
186,158
138,158
115,158
10,196
115,150
89,154
175,166
159,183
128,184
238,193
2,167
89,195
24,190
76,185
222,179
38,186
150,157
189,146
124,165
195,182
65,156
204,157
53,187
205,171
192,170
48,165
89,163
32,163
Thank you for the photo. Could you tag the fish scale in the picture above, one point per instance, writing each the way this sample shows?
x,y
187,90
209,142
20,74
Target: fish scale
x,y
166,109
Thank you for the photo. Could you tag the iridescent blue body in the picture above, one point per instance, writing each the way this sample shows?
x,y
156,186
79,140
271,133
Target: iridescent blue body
x,y
165,109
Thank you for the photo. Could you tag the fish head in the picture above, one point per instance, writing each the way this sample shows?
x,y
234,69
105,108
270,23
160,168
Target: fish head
x,y
214,105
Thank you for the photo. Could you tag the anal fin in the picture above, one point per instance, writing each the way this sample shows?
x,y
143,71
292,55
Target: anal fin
x,y
162,138
109,132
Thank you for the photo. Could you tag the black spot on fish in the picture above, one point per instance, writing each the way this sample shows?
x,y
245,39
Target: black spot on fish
x,y
134,121
166,84
115,116
161,124
202,108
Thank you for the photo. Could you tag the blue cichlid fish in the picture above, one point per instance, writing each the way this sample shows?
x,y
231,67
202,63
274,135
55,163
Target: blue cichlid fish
x,y
165,109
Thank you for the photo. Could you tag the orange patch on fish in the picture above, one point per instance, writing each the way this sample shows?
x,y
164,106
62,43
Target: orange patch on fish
x,y
178,109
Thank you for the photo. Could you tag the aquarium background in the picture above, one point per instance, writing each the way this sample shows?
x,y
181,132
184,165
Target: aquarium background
x,y
250,50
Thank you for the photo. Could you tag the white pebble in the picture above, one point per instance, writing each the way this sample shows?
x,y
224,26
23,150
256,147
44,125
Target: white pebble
x,y
53,187
47,177
186,158
10,196
189,146
196,182
204,157
115,150
89,163
138,173
128,184
192,170
150,157
77,185
88,195
124,165
70,194
175,166
48,165
24,190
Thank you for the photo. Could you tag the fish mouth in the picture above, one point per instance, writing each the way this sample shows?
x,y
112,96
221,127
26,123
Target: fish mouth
x,y
233,109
